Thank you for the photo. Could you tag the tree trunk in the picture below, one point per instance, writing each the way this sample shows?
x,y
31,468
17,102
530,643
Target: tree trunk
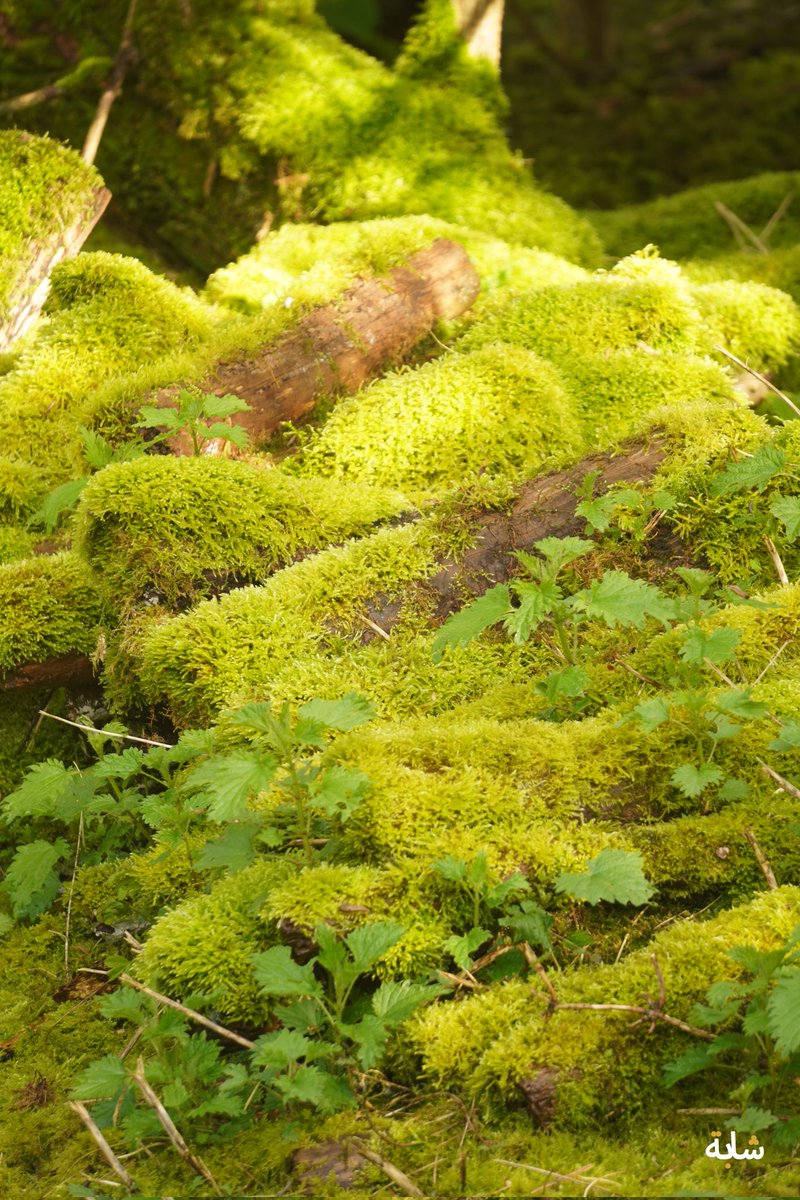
x,y
480,23
338,348
29,290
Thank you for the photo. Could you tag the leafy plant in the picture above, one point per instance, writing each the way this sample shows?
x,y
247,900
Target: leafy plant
x,y
97,453
332,1030
642,510
616,876
758,1040
204,417
486,901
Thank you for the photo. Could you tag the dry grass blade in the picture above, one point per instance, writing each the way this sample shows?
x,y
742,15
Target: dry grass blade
x,y
740,229
788,787
761,859
123,737
398,1177
228,1034
762,378
102,1145
577,1176
171,1130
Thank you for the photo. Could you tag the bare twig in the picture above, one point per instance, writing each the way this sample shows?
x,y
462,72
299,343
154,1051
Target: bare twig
x,y
532,960
652,1014
102,1145
392,1172
771,663
777,562
125,737
171,1130
188,1012
776,217
738,227
784,783
709,1112
761,859
373,625
757,375
576,1176
122,60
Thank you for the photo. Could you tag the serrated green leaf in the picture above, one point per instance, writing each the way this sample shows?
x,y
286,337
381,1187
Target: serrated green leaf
x,y
31,884
536,601
692,780
783,1009
616,876
560,552
228,781
103,1078
597,513
463,946
311,1085
787,510
222,406
754,471
752,1120
234,434
369,1035
231,852
280,1050
125,1004
368,943
787,739
718,647
347,713
697,580
151,417
497,895
689,1063
61,499
652,713
120,766
739,703
340,791
277,974
529,923
734,790
466,625
6,923
396,1000
478,871
569,683
451,868
38,794
96,450
617,599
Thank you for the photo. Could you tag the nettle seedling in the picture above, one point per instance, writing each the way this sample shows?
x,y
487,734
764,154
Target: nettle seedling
x,y
757,1047
622,510
203,416
97,454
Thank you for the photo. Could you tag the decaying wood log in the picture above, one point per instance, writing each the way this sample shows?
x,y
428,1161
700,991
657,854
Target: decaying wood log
x,y
68,670
29,292
338,348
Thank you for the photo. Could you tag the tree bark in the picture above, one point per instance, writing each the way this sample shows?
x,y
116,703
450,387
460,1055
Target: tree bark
x,y
338,348
29,292
480,23
68,670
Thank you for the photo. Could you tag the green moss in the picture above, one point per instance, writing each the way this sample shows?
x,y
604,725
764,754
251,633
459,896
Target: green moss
x,y
184,527
603,1064
688,225
498,408
48,607
44,188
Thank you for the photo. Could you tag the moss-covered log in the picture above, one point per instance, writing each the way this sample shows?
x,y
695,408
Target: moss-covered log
x,y
50,202
341,346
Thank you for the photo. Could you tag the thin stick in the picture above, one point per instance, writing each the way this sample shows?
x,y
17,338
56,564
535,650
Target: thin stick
x,y
102,1145
762,860
532,960
777,562
171,1130
392,1172
71,890
776,217
736,223
555,1175
709,1112
771,663
652,1014
188,1012
373,625
762,378
125,737
784,783
122,60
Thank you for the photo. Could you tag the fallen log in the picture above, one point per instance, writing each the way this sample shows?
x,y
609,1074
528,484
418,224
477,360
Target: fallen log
x,y
54,202
67,670
338,348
